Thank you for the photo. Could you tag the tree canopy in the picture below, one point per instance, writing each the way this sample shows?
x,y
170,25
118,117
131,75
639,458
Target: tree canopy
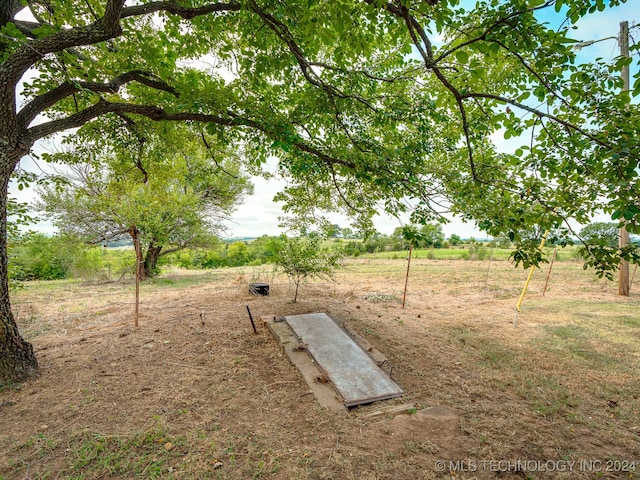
x,y
367,105
600,243
165,186
600,233
364,107
421,236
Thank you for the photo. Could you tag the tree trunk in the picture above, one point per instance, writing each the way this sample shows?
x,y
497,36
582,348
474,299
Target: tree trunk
x,y
297,282
151,260
17,360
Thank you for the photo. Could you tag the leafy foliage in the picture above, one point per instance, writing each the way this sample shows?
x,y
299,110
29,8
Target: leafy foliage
x,y
17,217
425,236
363,108
167,187
36,256
600,248
600,233
301,258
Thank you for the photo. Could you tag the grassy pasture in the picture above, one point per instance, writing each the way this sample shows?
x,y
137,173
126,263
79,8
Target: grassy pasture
x,y
193,394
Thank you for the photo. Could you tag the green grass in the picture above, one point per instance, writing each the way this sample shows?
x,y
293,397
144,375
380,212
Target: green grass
x,y
181,281
589,357
145,454
467,252
549,396
630,321
579,344
153,454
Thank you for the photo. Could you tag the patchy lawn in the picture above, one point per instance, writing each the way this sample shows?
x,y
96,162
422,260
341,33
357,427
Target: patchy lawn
x,y
194,394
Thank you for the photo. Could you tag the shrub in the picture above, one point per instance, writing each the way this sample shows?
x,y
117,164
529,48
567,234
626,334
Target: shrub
x,y
301,258
36,256
482,253
88,264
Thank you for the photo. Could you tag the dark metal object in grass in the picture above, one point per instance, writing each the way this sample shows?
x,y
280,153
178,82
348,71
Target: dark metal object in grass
x,y
252,323
260,289
135,235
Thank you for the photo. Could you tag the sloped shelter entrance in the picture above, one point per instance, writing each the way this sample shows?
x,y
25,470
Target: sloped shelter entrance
x,y
356,376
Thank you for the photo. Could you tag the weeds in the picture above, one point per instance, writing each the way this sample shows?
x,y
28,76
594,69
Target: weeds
x,y
147,454
381,297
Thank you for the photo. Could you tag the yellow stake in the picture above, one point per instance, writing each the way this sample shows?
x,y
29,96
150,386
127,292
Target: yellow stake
x,y
526,284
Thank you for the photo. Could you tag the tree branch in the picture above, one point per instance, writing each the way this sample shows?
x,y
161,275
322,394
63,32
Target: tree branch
x,y
8,9
213,158
323,156
492,27
103,107
41,103
28,53
542,114
174,8
282,32
538,76
335,184
422,42
26,27
104,28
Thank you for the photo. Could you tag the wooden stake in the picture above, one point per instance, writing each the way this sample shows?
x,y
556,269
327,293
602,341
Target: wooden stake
x,y
633,276
135,234
406,280
546,283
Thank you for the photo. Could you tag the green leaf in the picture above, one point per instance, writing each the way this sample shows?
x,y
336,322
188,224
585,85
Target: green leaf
x,y
462,57
629,214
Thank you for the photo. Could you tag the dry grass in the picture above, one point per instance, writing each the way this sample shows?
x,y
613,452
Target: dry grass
x,y
193,393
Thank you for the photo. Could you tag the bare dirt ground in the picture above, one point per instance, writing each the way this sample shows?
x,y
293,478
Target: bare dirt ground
x,y
192,393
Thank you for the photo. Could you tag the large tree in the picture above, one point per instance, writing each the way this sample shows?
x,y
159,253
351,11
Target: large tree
x,y
363,108
166,184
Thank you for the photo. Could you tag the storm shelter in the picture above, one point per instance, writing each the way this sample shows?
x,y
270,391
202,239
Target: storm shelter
x,y
356,376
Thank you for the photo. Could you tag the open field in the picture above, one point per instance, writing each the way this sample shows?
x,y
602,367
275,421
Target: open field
x,y
194,394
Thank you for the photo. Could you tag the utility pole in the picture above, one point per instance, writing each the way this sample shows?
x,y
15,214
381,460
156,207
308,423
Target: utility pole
x,y
624,282
623,234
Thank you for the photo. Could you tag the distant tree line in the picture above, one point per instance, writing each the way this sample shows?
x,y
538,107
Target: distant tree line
x,y
36,256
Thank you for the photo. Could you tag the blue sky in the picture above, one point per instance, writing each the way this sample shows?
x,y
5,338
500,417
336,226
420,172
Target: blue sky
x,y
258,215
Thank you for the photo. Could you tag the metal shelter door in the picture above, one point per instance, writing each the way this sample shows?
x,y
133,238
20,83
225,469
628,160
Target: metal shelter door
x,y
356,376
